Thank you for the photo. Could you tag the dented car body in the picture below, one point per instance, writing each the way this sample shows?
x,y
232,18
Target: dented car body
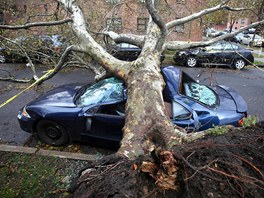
x,y
96,113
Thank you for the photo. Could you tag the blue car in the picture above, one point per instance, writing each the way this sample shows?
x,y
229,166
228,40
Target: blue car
x,y
96,113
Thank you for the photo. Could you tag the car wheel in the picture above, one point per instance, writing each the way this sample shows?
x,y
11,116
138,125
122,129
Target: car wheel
x,y
2,59
239,64
250,44
52,133
191,62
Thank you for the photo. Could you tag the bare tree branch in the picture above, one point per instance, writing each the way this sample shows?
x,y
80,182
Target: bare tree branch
x,y
202,13
25,53
29,25
158,20
137,40
110,63
156,17
176,45
61,61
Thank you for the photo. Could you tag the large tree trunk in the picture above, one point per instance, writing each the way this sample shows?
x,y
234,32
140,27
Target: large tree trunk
x,y
146,123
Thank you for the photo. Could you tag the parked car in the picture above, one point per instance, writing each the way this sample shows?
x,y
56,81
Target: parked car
x,y
220,54
258,41
96,113
128,52
239,37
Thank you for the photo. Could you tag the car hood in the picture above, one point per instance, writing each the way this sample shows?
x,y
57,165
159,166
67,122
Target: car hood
x,y
62,96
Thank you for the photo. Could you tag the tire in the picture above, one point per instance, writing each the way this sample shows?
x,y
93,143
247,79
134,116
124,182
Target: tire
x,y
52,133
239,64
191,62
250,44
2,59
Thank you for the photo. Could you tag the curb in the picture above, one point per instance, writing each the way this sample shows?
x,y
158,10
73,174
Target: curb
x,y
42,152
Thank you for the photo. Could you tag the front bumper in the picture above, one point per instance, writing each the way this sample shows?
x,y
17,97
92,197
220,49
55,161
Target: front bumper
x,y
26,124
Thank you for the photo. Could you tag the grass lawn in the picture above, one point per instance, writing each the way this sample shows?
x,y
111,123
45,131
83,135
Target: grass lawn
x,y
29,175
258,55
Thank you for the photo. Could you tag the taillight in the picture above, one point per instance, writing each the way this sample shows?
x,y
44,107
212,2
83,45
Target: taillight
x,y
241,121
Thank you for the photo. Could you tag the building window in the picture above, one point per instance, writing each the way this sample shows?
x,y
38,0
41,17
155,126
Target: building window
x,y
243,21
114,23
112,1
142,24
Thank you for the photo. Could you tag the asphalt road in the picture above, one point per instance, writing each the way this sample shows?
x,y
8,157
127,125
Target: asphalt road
x,y
248,82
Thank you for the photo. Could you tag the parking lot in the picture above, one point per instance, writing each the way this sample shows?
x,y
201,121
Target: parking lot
x,y
248,82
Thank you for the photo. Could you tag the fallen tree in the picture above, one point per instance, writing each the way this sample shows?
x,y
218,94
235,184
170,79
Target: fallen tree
x,y
148,133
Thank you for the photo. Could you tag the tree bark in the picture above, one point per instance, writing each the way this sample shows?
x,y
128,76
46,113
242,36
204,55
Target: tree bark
x,y
146,126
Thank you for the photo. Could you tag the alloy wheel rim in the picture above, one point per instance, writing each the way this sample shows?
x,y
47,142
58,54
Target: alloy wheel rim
x,y
191,62
240,64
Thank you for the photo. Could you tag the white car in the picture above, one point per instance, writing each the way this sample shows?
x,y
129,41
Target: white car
x,y
239,37
247,39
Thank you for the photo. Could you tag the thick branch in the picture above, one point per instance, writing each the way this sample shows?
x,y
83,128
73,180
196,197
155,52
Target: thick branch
x,y
111,64
29,25
183,45
156,17
133,39
61,61
202,13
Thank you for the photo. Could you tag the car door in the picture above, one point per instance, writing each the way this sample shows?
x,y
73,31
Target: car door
x,y
105,122
212,54
230,53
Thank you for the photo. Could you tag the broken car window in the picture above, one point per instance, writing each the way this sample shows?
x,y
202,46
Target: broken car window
x,y
108,90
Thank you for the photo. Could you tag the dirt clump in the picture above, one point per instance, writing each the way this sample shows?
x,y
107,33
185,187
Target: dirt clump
x,y
230,165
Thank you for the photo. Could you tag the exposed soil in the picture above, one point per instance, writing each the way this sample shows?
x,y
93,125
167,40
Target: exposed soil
x,y
231,165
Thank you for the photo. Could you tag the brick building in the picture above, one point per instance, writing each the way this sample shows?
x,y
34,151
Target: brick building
x,y
119,15
241,22
132,17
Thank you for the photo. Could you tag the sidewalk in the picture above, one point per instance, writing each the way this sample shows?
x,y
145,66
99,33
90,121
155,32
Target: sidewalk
x,y
60,154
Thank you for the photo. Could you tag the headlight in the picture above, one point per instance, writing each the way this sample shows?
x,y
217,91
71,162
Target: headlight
x,y
25,113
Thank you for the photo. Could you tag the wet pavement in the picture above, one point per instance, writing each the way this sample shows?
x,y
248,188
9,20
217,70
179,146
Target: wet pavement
x,y
248,82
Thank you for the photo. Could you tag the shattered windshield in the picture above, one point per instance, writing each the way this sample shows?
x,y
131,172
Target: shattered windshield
x,y
201,93
108,90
